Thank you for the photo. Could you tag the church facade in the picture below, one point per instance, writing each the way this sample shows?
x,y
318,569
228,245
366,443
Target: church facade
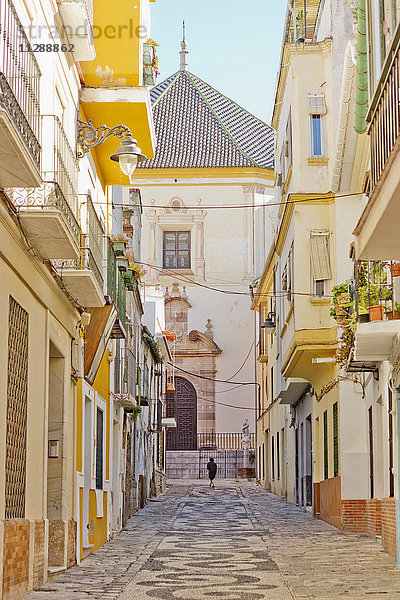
x,y
205,205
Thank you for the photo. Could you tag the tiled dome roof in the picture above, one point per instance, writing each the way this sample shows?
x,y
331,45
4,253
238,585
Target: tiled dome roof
x,y
197,127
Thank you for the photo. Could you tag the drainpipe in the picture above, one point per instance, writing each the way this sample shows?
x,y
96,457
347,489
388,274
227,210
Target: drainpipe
x,y
362,77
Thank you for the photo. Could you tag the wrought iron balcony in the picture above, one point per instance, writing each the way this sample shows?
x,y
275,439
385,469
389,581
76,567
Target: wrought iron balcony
x,y
48,220
384,114
82,278
378,316
19,103
49,212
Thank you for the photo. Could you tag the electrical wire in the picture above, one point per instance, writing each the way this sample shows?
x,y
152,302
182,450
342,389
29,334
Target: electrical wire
x,y
238,206
243,363
240,383
185,279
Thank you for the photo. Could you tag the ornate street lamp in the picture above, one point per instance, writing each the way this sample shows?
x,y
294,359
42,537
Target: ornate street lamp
x,y
269,322
128,155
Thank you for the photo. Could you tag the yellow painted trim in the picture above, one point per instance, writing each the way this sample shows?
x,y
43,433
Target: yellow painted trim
x,y
288,179
262,358
319,341
317,162
284,228
154,174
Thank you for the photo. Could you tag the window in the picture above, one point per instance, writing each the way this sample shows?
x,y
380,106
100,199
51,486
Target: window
x,y
99,449
335,441
176,250
391,464
320,262
326,471
278,457
272,384
273,457
316,136
16,416
263,460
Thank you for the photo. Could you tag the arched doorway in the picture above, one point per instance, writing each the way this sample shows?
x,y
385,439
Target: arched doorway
x,y
184,437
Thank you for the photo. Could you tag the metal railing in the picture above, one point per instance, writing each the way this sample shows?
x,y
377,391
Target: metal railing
x,y
384,113
19,79
47,195
61,165
223,441
95,235
85,261
375,291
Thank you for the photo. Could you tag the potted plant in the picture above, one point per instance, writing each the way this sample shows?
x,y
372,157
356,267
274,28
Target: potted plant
x,y
372,298
340,302
394,312
395,269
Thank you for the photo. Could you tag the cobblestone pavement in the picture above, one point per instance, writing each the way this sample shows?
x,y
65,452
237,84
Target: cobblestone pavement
x,y
237,542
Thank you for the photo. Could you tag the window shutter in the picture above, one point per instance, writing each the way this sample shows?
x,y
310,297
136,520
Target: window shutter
x,y
319,255
316,104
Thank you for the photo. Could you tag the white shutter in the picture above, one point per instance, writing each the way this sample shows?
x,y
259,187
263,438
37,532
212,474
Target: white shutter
x,y
320,255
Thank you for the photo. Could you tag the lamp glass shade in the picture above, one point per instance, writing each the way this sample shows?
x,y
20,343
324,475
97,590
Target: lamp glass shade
x,y
128,163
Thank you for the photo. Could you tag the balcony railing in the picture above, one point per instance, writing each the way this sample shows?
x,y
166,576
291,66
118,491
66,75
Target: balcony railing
x,y
48,195
19,79
85,261
95,233
375,290
384,113
223,441
60,165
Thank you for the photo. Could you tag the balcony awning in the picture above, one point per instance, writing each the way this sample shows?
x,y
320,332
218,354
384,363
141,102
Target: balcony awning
x,y
321,266
295,388
97,335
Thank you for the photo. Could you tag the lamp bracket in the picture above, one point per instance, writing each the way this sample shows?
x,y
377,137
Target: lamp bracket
x,y
90,136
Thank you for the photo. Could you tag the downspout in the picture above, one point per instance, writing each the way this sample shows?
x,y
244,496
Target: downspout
x,y
344,113
362,76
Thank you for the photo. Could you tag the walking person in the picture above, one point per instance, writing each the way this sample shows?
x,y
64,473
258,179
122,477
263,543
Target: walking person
x,y
212,471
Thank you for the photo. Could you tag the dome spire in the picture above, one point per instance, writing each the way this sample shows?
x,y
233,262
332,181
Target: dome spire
x,y
184,53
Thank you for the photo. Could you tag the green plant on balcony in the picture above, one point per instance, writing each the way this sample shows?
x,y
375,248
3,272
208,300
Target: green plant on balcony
x,y
346,340
138,270
393,312
340,301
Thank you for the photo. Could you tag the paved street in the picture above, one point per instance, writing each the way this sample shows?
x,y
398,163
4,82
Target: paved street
x,y
236,542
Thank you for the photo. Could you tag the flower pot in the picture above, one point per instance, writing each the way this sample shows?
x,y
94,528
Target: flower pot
x,y
395,315
119,248
396,270
376,312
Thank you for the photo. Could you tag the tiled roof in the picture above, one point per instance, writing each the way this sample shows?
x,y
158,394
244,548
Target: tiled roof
x,y
197,127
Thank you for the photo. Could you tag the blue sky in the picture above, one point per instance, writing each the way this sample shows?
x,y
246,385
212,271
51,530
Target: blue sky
x,y
234,45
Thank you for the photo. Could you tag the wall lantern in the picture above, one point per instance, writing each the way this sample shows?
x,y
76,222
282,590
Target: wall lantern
x,y
128,155
269,322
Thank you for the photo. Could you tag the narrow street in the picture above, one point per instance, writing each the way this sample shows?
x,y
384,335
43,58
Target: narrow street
x,y
236,542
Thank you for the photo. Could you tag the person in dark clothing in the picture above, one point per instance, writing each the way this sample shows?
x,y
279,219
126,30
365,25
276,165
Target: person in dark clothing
x,y
212,471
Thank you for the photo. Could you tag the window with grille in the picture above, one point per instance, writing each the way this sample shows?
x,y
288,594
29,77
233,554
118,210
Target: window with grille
x,y
326,445
335,441
17,391
176,250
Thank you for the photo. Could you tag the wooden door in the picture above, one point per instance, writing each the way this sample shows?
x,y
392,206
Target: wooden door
x,y
184,437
